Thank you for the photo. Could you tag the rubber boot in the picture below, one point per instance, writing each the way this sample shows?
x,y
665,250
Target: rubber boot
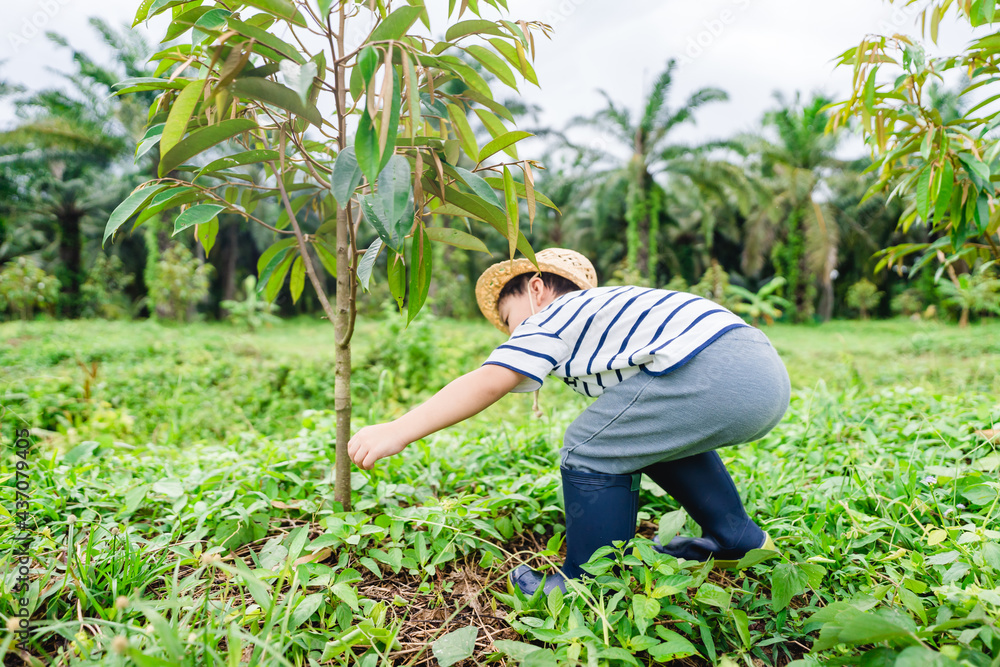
x,y
600,509
704,488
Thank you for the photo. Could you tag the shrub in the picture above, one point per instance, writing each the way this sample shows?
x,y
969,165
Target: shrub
x,y
909,302
24,287
103,291
253,311
179,282
864,296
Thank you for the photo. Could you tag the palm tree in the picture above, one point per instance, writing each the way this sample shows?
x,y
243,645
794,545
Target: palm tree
x,y
794,223
763,303
652,155
975,292
71,137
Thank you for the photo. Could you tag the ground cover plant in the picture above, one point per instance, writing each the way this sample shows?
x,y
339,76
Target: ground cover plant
x,y
216,539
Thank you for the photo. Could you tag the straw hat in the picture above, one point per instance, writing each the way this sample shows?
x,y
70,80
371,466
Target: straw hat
x,y
566,263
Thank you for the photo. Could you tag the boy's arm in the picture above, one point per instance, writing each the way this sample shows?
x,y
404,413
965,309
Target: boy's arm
x,y
460,399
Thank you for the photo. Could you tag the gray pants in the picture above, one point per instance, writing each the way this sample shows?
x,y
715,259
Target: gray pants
x,y
734,391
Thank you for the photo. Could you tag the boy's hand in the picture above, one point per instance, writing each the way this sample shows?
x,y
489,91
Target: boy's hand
x,y
373,443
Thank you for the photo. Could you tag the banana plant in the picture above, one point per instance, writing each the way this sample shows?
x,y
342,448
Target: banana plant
x,y
355,116
763,303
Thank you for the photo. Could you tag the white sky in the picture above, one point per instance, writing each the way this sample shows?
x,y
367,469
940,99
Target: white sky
x,y
750,48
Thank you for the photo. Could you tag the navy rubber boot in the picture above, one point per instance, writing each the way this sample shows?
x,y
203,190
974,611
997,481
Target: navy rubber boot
x,y
704,488
600,509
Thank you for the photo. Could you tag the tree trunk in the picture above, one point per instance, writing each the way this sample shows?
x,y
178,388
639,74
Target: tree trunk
x,y
345,304
342,369
70,253
963,322
229,265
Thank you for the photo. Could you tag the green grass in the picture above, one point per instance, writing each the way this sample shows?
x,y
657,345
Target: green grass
x,y
203,443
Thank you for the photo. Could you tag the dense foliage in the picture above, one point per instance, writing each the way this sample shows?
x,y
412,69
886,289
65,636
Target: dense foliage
x,y
205,530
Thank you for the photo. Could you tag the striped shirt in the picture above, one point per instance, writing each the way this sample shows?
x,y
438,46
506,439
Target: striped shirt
x,y
593,339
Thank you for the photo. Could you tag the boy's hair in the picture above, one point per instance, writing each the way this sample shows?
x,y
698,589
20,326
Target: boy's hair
x,y
519,285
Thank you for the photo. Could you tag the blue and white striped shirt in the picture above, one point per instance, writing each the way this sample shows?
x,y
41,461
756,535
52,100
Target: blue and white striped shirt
x,y
593,339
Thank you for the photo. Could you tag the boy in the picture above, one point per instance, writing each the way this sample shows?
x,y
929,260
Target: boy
x,y
675,376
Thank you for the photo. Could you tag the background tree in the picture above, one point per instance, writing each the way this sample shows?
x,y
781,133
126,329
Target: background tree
x,y
933,149
651,154
793,224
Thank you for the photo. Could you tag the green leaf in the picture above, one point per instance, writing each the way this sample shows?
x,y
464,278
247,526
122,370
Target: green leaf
x,y
714,596
395,24
277,278
978,171
134,498
201,141
268,255
299,77
869,92
755,556
787,581
82,450
670,524
180,115
397,279
150,139
268,40
324,7
516,57
943,201
512,210
479,185
367,263
502,142
142,12
347,594
457,238
674,646
742,624
207,233
212,21
517,650
366,147
644,610
275,94
172,198
493,63
346,176
284,9
473,27
395,192
371,208
497,182
421,260
852,626
367,64
127,209
258,589
298,279
460,124
272,265
326,258
923,193
238,160
196,215
455,646
309,605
